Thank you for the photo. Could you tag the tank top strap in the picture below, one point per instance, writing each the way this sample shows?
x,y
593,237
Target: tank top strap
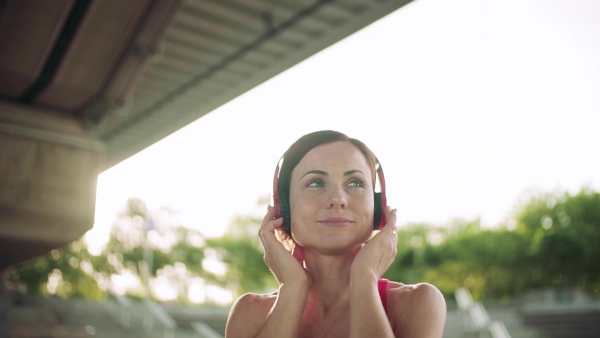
x,y
383,285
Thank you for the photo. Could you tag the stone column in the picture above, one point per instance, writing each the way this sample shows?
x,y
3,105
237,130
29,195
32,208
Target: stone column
x,y
49,165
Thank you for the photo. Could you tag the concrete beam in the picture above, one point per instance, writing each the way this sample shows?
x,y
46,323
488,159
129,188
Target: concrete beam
x,y
49,165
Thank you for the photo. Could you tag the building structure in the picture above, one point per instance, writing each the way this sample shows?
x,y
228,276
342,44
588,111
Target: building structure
x,y
85,84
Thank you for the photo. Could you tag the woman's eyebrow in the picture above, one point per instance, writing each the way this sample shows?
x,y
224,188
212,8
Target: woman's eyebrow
x,y
351,172
318,172
323,173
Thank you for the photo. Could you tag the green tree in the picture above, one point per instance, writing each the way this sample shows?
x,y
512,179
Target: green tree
x,y
554,244
71,271
563,232
240,249
66,271
488,262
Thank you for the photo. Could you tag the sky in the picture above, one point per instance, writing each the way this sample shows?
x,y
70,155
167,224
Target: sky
x,y
469,105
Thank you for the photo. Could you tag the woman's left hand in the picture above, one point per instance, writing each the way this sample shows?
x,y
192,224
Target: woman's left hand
x,y
379,253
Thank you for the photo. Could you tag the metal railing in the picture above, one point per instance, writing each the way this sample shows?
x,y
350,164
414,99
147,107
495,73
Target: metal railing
x,y
476,320
157,313
123,310
204,330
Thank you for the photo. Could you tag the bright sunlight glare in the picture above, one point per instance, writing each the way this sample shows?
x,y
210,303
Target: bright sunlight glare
x,y
468,104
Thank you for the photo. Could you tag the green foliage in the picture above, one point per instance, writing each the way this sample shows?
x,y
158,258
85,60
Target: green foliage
x,y
72,271
241,251
183,252
563,232
61,271
554,244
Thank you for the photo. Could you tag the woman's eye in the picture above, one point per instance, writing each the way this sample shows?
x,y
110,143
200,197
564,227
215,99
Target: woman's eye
x,y
355,182
315,183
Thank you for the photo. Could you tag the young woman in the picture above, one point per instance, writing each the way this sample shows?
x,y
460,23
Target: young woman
x,y
342,240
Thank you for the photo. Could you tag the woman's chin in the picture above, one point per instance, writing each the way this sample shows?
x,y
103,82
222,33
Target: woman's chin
x,y
335,248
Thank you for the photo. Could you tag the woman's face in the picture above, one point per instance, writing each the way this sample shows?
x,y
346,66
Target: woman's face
x,y
331,198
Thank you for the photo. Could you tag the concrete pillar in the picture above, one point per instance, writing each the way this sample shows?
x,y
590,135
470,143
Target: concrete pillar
x,y
49,165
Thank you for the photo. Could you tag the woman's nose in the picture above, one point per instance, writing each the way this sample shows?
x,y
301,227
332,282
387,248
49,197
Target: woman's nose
x,y
337,198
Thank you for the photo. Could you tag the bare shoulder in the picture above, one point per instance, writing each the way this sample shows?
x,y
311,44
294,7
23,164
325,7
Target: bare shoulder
x,y
255,300
248,313
416,309
421,292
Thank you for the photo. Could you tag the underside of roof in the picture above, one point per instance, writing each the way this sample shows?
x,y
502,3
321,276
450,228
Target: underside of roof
x,y
132,72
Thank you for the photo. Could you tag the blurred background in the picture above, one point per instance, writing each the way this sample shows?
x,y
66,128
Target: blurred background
x,y
484,115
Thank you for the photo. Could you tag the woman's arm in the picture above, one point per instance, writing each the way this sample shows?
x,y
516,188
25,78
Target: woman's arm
x,y
286,315
248,317
367,315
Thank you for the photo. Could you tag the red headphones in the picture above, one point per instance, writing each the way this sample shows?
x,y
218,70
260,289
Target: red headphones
x,y
282,203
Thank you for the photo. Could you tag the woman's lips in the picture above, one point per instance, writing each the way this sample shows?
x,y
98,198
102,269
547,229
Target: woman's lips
x,y
336,221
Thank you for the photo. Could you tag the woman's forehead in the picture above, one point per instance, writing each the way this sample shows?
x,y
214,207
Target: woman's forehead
x,y
332,155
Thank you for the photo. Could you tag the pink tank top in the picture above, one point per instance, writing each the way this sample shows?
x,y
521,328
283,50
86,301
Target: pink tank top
x,y
383,285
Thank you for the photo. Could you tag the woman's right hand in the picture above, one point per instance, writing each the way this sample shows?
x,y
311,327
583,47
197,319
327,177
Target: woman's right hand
x,y
287,267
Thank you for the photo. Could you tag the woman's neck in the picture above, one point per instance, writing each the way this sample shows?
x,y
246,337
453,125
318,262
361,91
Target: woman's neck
x,y
330,277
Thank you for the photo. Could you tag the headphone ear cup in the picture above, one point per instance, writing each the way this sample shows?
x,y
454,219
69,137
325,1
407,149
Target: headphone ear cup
x,y
284,211
378,211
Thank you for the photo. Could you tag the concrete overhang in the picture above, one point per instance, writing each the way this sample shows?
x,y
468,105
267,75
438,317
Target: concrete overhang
x,y
85,84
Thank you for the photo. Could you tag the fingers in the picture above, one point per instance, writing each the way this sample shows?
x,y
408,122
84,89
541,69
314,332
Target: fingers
x,y
390,229
269,216
393,229
269,223
276,256
266,233
391,218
